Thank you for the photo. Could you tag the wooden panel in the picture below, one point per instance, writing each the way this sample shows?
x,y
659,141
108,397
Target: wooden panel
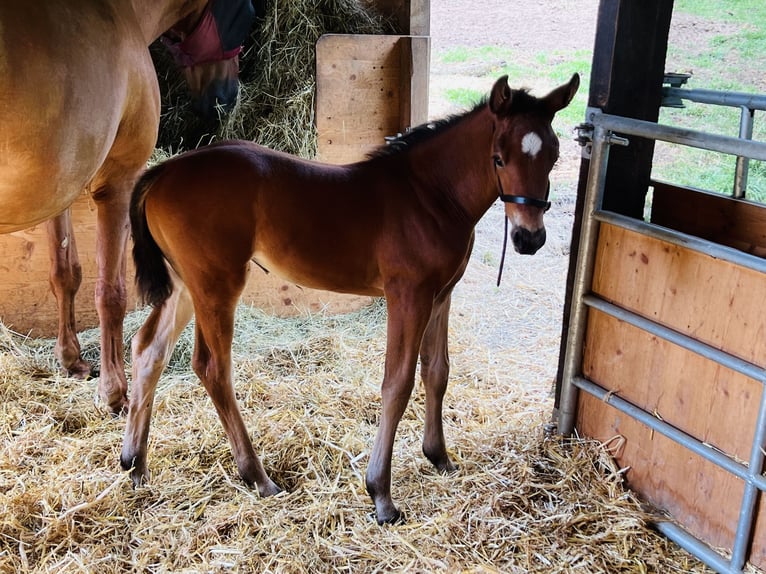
x,y
695,492
711,300
360,99
28,306
737,223
717,302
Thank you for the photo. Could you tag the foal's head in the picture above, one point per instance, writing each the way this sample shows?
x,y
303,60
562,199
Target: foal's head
x,y
524,149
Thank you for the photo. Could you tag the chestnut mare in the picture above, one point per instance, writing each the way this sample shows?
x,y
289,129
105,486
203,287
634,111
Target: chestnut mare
x,y
79,109
399,224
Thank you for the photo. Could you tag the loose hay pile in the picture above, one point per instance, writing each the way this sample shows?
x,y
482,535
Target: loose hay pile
x,y
309,390
276,102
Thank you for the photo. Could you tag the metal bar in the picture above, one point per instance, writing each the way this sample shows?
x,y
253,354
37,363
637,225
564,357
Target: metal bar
x,y
733,99
743,163
583,278
673,237
751,494
692,138
696,446
696,547
684,341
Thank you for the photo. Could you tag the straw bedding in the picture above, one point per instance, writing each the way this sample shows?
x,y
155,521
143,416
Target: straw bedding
x,y
308,387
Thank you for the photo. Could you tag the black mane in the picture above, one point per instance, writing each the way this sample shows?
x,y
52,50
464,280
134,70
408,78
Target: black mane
x,y
523,102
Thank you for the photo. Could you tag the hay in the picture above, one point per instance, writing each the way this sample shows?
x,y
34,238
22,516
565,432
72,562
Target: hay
x,y
276,103
309,390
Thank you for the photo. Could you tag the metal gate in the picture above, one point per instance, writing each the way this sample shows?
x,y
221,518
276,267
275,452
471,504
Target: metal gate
x,y
608,130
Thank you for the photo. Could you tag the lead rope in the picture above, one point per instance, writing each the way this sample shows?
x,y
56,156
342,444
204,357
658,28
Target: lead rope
x,y
502,257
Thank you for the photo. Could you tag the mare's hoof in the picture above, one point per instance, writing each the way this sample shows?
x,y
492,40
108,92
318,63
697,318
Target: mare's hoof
x,y
79,369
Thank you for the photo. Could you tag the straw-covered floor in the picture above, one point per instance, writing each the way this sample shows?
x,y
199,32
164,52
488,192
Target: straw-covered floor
x,y
308,387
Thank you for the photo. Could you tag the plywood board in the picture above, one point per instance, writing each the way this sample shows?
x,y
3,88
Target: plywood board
x,y
369,87
736,223
717,302
706,298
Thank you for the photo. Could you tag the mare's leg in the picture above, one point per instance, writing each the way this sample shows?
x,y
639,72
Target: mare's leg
x,y
152,348
65,279
212,364
112,230
408,315
434,370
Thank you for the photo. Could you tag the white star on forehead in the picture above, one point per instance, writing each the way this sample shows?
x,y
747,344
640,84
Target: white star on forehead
x,y
531,144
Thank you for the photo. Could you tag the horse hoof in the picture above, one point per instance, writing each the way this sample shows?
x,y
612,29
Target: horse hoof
x,y
138,476
79,369
395,517
269,489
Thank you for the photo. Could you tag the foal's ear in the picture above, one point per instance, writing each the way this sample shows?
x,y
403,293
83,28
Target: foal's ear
x,y
559,98
500,97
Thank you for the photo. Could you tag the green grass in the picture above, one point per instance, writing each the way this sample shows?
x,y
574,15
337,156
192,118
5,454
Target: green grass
x,y
731,61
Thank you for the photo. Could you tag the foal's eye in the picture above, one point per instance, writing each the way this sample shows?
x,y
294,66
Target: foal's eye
x,y
498,161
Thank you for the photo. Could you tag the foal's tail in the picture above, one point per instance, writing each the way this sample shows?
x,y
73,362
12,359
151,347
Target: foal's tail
x,y
152,277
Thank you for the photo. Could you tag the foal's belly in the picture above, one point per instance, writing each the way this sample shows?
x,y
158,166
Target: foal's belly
x,y
325,275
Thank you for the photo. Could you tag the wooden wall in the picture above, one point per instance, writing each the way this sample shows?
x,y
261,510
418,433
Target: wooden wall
x,y
714,301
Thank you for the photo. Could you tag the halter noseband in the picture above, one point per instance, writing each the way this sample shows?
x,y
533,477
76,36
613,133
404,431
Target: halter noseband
x,y
543,204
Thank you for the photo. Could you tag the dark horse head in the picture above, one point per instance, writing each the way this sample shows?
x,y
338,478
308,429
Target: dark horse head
x,y
206,45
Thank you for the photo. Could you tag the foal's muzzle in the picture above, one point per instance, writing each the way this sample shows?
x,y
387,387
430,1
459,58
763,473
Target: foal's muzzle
x,y
527,242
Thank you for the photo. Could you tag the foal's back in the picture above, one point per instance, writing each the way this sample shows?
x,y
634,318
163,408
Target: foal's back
x,y
318,225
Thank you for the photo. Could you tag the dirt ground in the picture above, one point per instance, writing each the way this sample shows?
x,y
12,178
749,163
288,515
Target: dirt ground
x,y
519,322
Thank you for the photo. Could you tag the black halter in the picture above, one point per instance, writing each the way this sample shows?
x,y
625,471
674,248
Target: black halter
x,y
543,204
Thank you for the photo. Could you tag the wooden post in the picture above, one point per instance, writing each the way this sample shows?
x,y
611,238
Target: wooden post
x,y
626,79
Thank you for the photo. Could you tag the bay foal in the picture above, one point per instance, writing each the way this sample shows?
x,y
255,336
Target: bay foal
x,y
398,225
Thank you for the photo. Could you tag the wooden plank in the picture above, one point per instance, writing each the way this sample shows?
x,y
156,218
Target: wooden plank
x,y
717,302
368,87
699,495
737,223
713,301
413,87
711,403
346,64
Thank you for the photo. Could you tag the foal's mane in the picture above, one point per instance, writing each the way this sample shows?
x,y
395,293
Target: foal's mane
x,y
522,102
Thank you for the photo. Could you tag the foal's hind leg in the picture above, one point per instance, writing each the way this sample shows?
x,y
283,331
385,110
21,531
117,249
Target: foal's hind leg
x,y
65,279
434,370
212,363
152,348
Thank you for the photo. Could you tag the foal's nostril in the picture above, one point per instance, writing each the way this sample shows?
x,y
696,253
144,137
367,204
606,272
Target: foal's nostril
x,y
528,242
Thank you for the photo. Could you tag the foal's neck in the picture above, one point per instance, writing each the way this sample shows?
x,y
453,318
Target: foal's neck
x,y
460,162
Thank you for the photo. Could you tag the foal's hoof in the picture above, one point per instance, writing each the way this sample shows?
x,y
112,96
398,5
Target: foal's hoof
x,y
394,517
139,475
269,489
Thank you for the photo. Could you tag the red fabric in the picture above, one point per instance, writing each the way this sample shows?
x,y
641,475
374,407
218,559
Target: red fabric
x,y
202,45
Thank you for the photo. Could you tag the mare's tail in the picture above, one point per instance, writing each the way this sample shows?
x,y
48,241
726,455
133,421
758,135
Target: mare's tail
x,y
153,280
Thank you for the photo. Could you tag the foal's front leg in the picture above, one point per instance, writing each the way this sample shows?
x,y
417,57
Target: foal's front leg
x,y
434,370
408,315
